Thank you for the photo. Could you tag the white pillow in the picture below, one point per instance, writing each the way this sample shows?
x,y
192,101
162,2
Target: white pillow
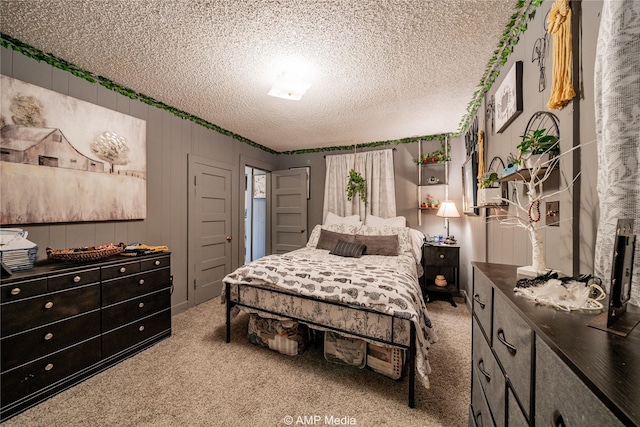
x,y
337,219
398,221
417,240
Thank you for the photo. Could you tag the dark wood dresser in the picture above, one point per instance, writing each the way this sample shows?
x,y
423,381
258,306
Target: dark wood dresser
x,y
533,365
62,323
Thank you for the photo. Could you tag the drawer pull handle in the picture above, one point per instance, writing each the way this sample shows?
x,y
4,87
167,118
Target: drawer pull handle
x,y
49,305
481,369
141,305
501,338
48,367
141,328
157,262
479,419
477,298
558,421
123,269
15,291
441,256
141,281
48,336
77,279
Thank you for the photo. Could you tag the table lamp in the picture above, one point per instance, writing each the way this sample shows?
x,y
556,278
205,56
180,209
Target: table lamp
x,y
448,210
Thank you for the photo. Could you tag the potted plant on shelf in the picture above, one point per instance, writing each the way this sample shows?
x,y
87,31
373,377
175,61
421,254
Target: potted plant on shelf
x,y
437,156
536,147
489,191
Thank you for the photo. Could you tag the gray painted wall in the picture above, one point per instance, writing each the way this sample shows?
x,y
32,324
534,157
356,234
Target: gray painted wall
x,y
170,140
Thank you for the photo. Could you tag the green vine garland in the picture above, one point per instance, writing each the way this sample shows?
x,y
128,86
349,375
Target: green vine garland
x,y
525,10
356,186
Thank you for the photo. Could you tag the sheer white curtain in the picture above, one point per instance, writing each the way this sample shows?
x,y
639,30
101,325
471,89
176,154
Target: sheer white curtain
x,y
376,167
617,105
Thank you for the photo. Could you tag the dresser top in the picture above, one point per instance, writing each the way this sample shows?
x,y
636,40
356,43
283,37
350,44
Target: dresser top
x,y
608,364
47,267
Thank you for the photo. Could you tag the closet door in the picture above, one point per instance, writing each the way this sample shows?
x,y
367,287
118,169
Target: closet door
x,y
288,191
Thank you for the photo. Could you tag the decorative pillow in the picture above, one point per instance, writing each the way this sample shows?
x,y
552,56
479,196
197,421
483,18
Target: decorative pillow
x,y
348,249
337,219
417,240
404,240
379,245
329,239
376,221
337,228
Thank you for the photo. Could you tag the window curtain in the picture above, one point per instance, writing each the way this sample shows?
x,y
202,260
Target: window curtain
x,y
617,108
376,167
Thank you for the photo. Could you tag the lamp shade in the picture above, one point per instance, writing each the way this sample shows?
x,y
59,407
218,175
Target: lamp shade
x,y
448,210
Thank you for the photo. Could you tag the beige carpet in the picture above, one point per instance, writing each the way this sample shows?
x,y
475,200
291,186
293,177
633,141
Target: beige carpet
x,y
195,379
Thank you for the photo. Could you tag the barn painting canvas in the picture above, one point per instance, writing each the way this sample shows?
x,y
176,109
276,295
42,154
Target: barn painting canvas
x,y
67,160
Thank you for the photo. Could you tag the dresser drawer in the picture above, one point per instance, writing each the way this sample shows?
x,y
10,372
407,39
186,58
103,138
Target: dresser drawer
x,y
128,311
482,303
153,263
562,398
117,290
27,379
21,290
35,343
440,256
512,344
480,415
120,270
136,332
489,374
515,416
70,280
33,312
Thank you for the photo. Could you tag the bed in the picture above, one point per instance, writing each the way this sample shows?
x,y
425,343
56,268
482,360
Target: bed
x,y
372,293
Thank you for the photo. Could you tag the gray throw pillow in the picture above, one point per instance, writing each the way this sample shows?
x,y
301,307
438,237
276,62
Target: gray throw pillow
x,y
379,245
328,239
348,249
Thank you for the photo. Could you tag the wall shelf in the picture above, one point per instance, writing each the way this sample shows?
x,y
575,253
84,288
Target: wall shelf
x,y
522,175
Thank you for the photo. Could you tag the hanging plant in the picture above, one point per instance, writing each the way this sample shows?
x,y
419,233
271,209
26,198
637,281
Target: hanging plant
x,y
357,185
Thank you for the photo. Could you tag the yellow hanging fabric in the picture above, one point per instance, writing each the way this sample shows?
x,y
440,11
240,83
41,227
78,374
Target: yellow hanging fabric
x,y
480,155
559,24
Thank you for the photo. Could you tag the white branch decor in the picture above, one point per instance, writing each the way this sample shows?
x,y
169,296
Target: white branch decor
x,y
526,214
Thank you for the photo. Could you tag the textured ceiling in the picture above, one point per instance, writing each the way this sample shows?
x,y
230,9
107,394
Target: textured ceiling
x,y
380,69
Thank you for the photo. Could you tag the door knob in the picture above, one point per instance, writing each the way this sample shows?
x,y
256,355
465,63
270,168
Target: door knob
x,y
302,230
228,238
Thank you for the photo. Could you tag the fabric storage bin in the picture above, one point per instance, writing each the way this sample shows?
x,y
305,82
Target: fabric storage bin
x,y
387,361
345,350
284,336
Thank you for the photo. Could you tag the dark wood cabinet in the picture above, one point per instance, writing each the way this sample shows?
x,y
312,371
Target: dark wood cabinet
x,y
533,365
63,322
440,259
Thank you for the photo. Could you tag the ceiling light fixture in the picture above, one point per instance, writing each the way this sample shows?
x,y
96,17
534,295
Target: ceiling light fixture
x,y
289,87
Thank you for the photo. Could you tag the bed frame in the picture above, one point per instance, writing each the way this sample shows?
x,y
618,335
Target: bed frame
x,y
411,348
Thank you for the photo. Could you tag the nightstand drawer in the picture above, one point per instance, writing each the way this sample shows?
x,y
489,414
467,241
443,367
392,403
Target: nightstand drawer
x,y
440,256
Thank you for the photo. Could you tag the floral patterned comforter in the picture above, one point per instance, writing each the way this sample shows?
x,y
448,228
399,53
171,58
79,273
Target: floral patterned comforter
x,y
383,284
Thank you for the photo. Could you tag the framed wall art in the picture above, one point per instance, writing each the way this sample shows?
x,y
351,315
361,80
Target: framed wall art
x,y
470,185
508,98
67,160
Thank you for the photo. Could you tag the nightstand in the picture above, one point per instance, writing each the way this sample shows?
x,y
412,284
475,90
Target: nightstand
x,y
438,258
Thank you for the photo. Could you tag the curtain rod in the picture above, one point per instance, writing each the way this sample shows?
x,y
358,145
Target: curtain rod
x,y
325,156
